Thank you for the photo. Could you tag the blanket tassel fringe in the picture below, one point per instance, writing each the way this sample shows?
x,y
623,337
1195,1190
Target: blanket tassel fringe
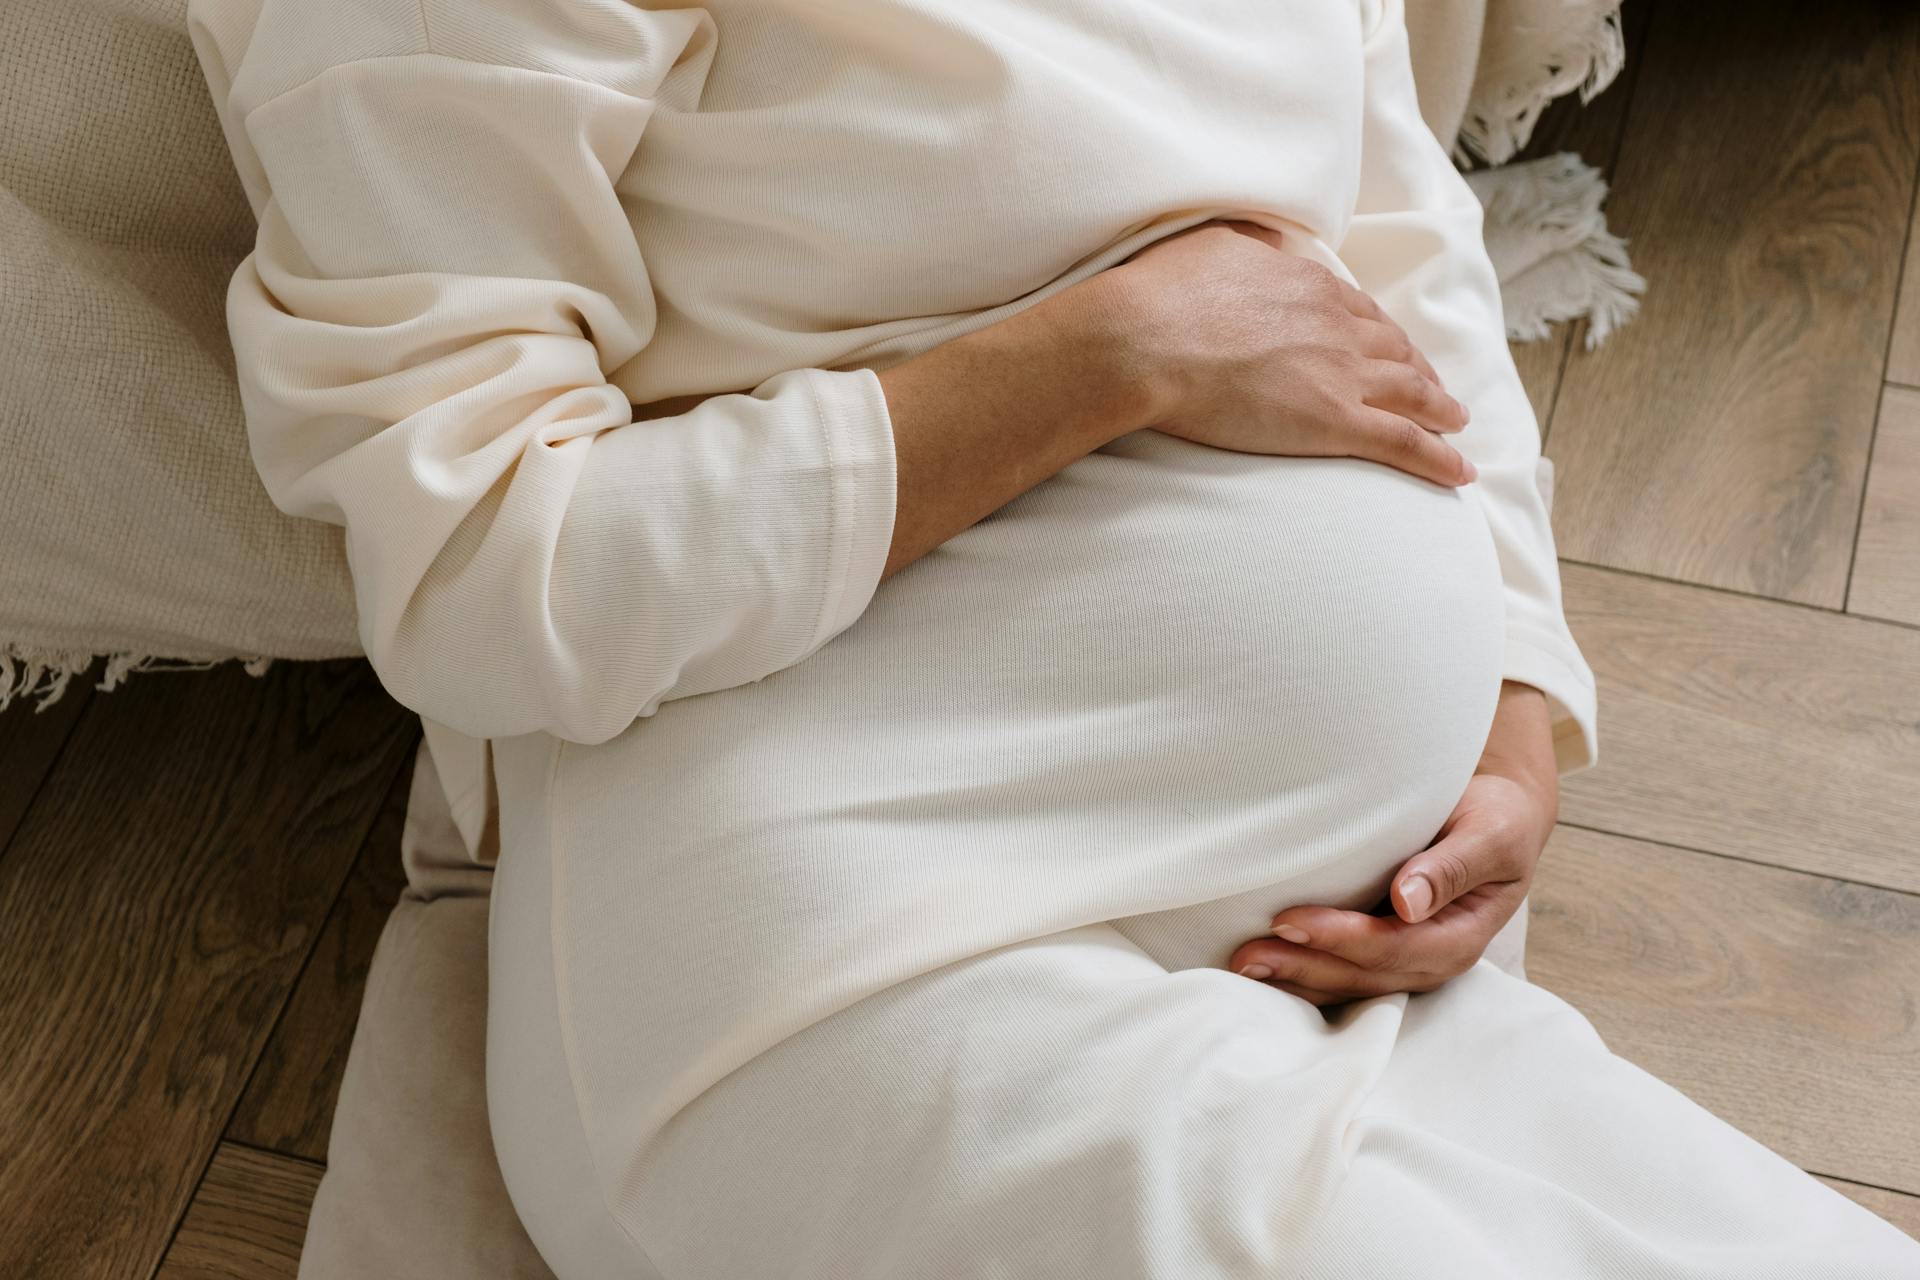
x,y
1551,249
27,671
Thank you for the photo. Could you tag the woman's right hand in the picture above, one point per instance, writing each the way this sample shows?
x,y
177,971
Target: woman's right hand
x,y
1253,348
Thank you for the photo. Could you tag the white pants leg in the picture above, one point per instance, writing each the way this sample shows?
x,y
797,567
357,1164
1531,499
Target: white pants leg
x,y
1070,1105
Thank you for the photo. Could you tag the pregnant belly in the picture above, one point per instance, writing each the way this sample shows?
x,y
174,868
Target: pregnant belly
x,y
1172,687
1169,674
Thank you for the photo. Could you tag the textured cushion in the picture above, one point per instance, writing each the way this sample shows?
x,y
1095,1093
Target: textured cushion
x,y
133,520
412,1188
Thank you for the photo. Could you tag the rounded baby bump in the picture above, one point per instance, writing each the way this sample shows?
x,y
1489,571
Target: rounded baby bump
x,y
1170,671
1168,675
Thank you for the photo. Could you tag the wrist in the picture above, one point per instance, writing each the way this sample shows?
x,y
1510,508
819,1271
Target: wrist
x,y
1520,745
1113,332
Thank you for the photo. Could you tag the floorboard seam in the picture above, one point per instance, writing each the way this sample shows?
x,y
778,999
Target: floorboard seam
x,y
1827,609
1837,1177
1735,857
1886,359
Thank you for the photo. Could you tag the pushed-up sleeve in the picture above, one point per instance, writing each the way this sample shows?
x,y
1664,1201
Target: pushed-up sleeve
x,y
445,275
1415,245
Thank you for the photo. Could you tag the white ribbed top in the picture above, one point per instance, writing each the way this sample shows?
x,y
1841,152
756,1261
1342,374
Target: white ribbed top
x,y
488,228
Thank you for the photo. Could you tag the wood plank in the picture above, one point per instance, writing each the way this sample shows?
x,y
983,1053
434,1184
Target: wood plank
x,y
1787,1004
31,738
1903,1211
154,909
1886,564
288,1105
1903,356
246,1221
1591,131
1748,727
1764,183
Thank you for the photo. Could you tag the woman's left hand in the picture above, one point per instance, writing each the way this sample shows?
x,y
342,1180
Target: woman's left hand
x,y
1448,900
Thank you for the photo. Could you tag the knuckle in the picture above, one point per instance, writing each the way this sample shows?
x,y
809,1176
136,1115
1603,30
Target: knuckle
x,y
1449,872
1421,391
1407,438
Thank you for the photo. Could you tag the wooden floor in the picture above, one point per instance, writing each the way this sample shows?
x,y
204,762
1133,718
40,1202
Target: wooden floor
x,y
193,869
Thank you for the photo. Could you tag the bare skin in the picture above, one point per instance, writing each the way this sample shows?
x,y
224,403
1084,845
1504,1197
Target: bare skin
x,y
1213,335
1216,335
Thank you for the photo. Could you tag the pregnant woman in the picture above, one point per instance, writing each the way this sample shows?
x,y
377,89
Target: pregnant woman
x,y
1008,758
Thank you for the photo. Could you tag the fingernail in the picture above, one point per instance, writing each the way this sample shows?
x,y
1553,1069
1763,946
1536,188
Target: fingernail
x,y
1258,972
1290,933
1417,894
1473,472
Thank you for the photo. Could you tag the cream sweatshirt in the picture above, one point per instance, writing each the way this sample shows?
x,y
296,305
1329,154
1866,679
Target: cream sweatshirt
x,y
490,228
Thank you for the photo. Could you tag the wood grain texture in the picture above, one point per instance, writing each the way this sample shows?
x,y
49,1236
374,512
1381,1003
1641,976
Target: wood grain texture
x,y
1903,355
1748,727
1764,183
1886,564
1903,1211
288,1105
1591,131
246,1221
30,741
154,909
1788,1004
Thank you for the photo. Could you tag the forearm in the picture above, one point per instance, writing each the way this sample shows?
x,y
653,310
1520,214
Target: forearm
x,y
981,419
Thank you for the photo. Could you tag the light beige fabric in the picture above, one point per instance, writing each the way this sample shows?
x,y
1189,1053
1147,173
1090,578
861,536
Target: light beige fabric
x,y
135,522
412,1190
458,393
1487,68
412,1187
1084,1102
131,516
137,525
1531,52
1444,37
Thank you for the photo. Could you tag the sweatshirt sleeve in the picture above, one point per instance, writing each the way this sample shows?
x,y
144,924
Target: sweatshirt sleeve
x,y
445,275
1415,245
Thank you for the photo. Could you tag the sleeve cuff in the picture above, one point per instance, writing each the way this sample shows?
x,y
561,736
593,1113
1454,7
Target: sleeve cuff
x,y
1571,702
862,472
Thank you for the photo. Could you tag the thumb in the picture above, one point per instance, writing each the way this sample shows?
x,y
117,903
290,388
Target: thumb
x,y
1436,876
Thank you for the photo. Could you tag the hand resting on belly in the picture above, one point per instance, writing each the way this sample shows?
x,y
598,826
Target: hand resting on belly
x,y
1450,899
1219,336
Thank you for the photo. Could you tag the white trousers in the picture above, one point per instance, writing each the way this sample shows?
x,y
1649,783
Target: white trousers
x,y
905,961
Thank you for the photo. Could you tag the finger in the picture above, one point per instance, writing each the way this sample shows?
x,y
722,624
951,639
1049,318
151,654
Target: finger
x,y
1398,441
1368,941
1446,943
1390,342
1399,388
1469,855
1306,967
1361,303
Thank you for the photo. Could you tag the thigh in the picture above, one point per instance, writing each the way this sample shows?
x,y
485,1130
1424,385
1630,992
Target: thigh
x,y
1062,1105
1503,1139
1069,1105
